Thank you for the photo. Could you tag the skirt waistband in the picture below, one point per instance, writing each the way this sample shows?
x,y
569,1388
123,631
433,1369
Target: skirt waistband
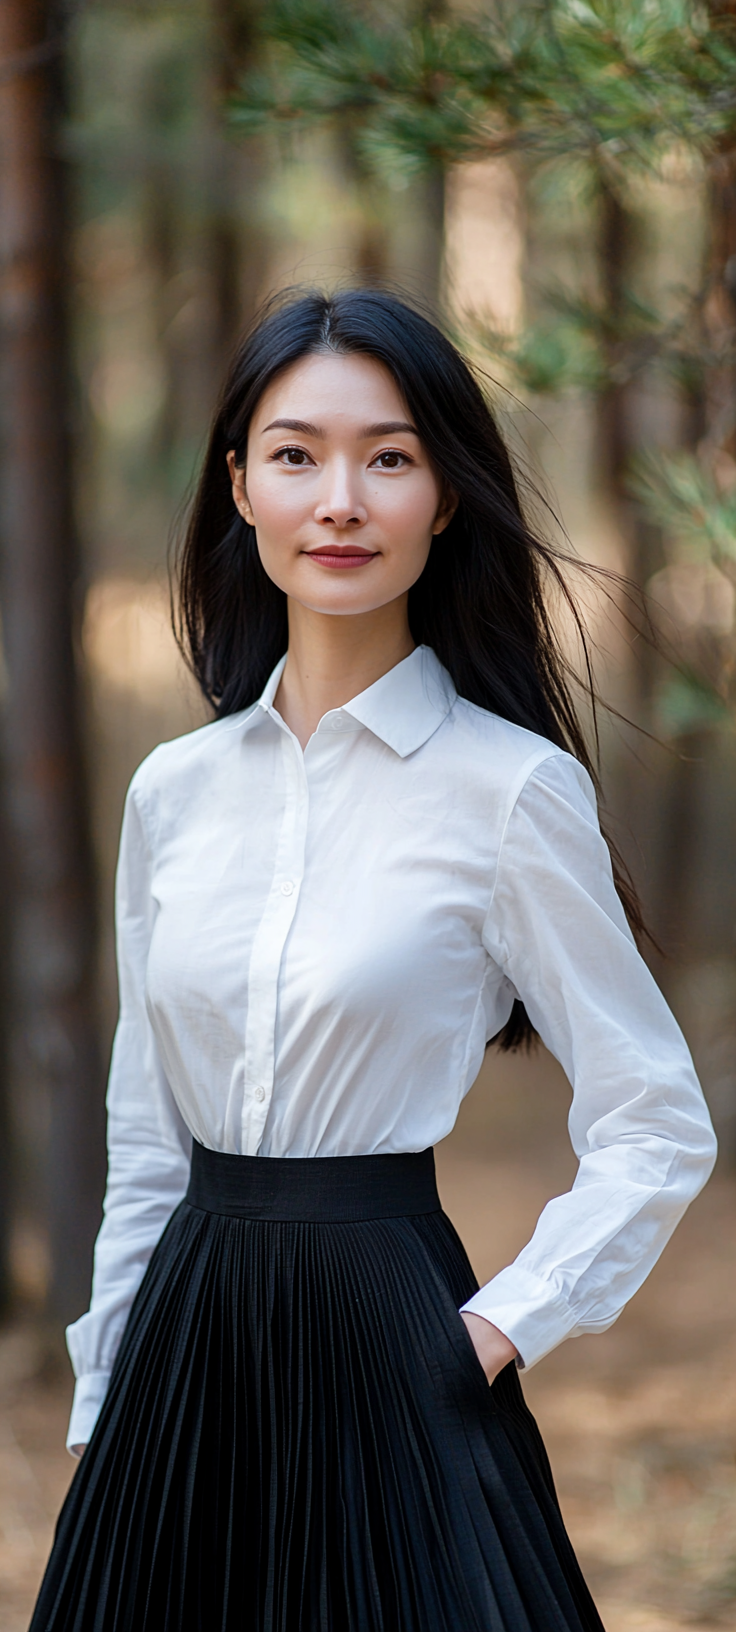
x,y
313,1189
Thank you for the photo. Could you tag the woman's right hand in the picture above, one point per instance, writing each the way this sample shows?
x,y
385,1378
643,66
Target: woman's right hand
x,y
493,1348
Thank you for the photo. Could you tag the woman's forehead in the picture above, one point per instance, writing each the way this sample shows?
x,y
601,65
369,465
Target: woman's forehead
x,y
351,388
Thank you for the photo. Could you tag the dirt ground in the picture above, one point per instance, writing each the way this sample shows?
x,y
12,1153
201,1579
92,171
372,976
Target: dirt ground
x,y
640,1423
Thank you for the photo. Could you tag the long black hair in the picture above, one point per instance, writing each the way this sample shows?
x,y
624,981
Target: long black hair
x,y
481,601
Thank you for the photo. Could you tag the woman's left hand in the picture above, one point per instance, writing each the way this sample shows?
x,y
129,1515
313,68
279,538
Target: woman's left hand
x,y
493,1349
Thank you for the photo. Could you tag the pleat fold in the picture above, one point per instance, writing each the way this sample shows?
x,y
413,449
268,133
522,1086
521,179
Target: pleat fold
x,y
298,1437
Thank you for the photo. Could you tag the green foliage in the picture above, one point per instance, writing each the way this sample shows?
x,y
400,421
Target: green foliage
x,y
685,703
616,80
686,501
580,345
548,358
697,516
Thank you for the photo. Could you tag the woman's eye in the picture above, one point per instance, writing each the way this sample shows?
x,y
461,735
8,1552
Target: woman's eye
x,y
292,456
391,459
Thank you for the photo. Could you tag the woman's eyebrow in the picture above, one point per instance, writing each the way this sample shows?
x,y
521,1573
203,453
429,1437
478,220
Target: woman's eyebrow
x,y
303,427
388,427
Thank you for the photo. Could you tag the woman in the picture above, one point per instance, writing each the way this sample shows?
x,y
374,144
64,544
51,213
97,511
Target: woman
x,y
383,853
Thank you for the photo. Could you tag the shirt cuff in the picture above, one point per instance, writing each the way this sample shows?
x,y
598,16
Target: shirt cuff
x,y
89,1394
527,1310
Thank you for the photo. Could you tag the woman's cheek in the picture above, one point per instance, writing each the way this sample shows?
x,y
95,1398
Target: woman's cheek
x,y
409,510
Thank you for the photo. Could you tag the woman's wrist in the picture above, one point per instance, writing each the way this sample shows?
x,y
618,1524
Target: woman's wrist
x,y
493,1348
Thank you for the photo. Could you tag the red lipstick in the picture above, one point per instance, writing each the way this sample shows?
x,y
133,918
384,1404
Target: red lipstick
x,y
341,555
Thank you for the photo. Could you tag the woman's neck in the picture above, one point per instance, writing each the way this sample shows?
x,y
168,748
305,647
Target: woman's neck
x,y
331,659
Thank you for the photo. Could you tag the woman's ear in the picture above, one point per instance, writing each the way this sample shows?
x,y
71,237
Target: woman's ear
x,y
448,505
240,497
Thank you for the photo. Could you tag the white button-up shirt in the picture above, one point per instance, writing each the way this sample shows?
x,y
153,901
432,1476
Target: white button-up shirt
x,y
314,949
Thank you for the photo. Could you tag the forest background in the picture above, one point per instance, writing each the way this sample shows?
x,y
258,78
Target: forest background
x,y
558,182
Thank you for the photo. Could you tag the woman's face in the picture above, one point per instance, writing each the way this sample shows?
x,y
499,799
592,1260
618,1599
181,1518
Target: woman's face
x,y
339,489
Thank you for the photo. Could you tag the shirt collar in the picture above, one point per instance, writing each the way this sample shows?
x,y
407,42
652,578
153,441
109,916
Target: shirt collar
x,y
271,687
404,708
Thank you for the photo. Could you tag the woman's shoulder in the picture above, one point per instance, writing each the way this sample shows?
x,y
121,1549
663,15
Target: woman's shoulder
x,y
497,742
510,758
184,759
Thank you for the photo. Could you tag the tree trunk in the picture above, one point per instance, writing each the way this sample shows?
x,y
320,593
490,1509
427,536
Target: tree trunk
x,y
617,434
720,405
718,443
5,1130
429,277
58,1090
238,260
617,413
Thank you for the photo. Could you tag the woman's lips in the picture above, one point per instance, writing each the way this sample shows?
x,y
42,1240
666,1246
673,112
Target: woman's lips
x,y
337,555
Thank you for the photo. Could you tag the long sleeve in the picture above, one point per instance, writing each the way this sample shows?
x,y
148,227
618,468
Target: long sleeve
x,y
148,1144
638,1121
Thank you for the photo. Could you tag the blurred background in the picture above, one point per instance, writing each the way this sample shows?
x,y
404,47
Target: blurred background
x,y
557,182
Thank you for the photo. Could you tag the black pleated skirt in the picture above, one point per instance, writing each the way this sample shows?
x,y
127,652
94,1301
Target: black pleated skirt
x,y
298,1435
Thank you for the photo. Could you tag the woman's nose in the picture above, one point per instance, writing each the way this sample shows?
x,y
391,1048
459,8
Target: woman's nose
x,y
340,504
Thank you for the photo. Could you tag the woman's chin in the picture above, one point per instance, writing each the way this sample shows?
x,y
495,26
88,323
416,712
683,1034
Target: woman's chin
x,y
342,596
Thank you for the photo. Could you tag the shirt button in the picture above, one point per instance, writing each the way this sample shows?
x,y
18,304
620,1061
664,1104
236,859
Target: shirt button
x,y
337,724
287,888
259,1094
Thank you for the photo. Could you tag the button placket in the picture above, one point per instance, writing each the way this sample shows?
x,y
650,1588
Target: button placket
x,y
268,947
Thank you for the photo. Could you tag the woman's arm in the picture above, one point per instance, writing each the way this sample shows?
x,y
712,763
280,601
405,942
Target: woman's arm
x,y
148,1145
638,1121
